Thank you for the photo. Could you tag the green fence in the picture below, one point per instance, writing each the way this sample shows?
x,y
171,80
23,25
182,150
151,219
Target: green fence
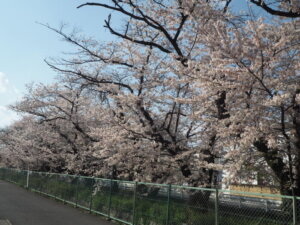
x,y
137,203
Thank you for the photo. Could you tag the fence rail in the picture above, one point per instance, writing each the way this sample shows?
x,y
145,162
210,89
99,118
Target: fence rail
x,y
137,203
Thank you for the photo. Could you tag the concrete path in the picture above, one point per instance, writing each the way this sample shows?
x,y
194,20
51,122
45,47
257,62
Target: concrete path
x,y
22,207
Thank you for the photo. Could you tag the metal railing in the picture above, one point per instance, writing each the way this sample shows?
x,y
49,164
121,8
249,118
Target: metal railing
x,y
159,204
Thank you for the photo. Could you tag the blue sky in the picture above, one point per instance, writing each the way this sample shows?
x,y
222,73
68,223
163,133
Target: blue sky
x,y
24,43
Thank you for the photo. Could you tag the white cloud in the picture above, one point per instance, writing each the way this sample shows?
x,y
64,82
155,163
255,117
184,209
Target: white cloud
x,y
4,83
9,94
7,116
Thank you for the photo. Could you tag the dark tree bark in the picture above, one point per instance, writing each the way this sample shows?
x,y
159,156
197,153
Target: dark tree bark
x,y
272,8
280,168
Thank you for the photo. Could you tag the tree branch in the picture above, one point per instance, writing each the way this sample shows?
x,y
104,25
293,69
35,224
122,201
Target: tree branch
x,y
263,5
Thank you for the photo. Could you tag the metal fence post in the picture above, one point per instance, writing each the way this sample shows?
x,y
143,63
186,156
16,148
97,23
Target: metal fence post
x,y
57,187
27,178
134,202
91,199
295,214
109,201
217,207
3,174
77,184
168,204
64,194
267,207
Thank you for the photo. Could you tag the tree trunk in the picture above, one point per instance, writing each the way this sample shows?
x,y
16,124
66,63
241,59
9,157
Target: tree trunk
x,y
279,167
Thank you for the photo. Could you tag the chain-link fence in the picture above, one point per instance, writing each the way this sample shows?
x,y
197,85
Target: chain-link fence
x,y
158,204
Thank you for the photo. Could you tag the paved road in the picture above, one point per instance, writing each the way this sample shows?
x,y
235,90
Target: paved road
x,y
22,207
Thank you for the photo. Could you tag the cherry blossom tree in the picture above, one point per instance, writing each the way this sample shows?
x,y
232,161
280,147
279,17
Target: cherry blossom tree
x,y
27,143
141,99
257,66
186,90
65,111
237,72
143,75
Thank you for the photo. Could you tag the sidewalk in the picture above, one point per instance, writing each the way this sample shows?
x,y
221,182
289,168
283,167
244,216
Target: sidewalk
x,y
22,207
